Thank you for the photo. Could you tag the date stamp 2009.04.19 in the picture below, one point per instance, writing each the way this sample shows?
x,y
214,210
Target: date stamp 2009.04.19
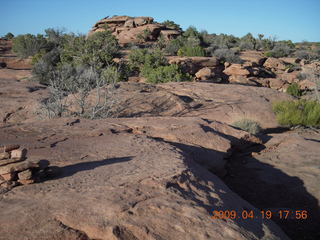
x,y
263,214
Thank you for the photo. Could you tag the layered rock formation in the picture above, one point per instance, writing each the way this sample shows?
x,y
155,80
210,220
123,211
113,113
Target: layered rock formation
x,y
134,29
15,168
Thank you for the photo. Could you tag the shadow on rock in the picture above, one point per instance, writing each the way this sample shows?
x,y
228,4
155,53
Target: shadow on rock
x,y
67,171
269,188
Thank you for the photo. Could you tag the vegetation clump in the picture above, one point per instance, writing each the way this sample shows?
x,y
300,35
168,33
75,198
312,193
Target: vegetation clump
x,y
154,66
9,36
294,90
28,45
248,125
298,113
227,55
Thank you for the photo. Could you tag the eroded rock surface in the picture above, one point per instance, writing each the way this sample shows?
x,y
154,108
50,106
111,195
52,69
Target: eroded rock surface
x,y
119,185
283,175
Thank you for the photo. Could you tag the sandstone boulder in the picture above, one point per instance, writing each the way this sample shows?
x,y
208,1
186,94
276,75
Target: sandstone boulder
x,y
19,154
25,175
254,57
290,60
275,64
130,35
239,79
205,74
307,85
4,156
133,29
236,70
17,167
16,63
289,77
194,64
170,34
276,83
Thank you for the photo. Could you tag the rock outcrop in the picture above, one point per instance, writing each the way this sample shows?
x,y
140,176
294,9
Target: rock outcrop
x,y
134,29
125,184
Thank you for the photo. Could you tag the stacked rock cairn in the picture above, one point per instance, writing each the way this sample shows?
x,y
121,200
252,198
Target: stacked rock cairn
x,y
15,169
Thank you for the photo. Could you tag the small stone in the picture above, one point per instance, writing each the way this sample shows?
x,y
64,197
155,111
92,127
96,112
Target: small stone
x,y
17,167
9,184
8,161
26,182
8,176
12,147
19,154
25,175
4,155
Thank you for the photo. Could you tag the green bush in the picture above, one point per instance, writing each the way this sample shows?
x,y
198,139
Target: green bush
x,y
9,36
96,51
191,32
227,55
293,113
223,41
144,57
280,50
248,125
152,65
248,42
173,46
163,74
171,25
45,65
189,51
294,90
28,45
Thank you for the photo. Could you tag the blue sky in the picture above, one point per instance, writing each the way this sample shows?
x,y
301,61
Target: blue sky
x,y
286,19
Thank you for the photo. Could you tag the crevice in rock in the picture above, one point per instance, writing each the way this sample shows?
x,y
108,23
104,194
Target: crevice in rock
x,y
77,234
285,193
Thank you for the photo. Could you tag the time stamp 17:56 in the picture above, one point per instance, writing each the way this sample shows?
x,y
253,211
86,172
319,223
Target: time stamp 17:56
x,y
263,214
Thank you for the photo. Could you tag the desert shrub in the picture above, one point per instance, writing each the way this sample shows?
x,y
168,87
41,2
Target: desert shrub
x,y
190,51
307,55
192,32
248,125
70,87
44,65
144,57
247,42
221,41
294,113
163,74
312,73
226,55
173,46
302,54
9,36
294,90
152,65
97,51
28,45
172,25
55,37
280,50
